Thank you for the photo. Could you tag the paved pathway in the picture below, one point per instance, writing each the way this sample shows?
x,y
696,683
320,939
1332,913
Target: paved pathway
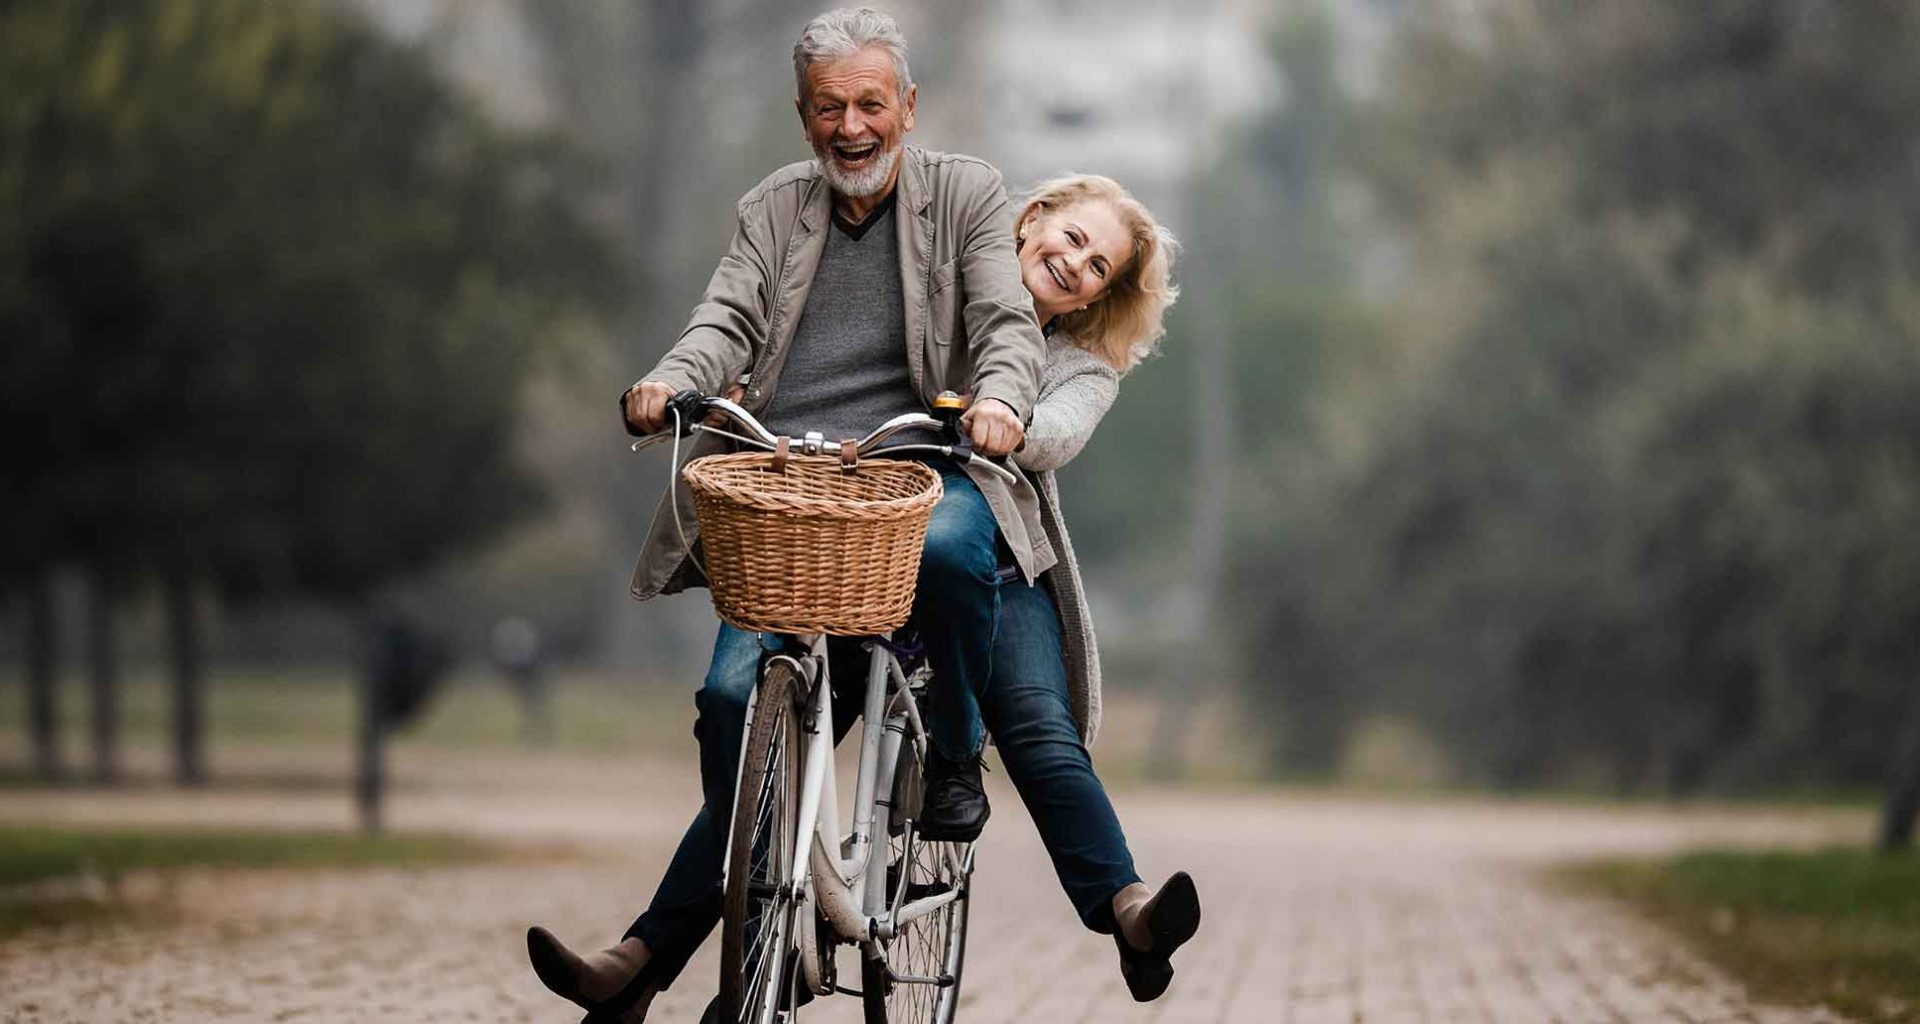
x,y
1317,909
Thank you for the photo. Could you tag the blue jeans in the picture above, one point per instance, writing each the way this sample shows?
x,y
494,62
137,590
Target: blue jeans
x,y
956,604
1026,708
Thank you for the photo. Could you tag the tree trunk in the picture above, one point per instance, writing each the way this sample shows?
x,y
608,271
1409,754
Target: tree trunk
x,y
189,679
103,661
370,780
1903,788
43,709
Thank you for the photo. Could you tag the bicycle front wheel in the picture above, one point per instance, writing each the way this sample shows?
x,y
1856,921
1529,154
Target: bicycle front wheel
x,y
756,936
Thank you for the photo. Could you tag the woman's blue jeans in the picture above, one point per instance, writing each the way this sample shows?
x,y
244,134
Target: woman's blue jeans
x,y
1027,710
1017,675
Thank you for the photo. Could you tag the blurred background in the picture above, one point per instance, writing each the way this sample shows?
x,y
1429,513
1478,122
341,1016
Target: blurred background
x,y
1541,411
1541,416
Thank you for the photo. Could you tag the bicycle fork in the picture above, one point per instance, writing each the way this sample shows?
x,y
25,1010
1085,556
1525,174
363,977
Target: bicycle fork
x,y
841,872
852,891
848,881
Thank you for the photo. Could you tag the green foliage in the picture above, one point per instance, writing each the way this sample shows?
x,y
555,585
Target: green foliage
x,y
272,289
1766,125
1624,500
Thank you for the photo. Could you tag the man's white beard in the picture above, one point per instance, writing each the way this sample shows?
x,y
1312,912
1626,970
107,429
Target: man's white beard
x,y
862,183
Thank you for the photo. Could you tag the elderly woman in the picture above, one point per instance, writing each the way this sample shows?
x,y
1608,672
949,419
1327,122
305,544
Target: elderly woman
x,y
1098,267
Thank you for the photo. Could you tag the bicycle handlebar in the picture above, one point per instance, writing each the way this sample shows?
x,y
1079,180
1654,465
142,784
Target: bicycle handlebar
x,y
689,408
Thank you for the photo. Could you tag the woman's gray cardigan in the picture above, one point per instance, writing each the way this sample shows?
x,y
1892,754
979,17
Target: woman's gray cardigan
x,y
1076,390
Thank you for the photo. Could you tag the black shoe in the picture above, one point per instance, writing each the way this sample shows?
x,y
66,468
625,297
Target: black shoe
x,y
559,969
955,809
1173,916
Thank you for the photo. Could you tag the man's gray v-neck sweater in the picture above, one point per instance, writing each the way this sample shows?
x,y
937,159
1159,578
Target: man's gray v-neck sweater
x,y
846,369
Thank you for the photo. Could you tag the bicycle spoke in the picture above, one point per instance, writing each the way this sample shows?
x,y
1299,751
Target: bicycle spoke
x,y
920,948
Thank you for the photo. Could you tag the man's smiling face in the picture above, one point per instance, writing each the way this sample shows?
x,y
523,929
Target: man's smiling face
x,y
856,120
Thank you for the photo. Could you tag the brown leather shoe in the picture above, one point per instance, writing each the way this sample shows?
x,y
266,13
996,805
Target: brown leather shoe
x,y
563,972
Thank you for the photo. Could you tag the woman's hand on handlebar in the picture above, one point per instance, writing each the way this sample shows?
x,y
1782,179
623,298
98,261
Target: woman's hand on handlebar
x,y
993,427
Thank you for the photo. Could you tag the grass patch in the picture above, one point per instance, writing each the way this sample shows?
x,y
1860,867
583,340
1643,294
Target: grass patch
x,y
1839,926
37,853
36,861
318,708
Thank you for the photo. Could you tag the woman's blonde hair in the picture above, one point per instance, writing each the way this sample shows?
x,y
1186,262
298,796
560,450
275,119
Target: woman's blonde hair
x,y
1124,325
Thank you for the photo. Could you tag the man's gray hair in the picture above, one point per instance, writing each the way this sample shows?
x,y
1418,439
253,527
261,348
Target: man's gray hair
x,y
844,32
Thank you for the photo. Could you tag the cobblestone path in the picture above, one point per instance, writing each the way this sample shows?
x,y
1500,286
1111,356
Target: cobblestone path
x,y
1316,909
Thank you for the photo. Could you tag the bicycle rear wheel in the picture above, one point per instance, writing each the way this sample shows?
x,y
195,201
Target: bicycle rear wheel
x,y
756,936
932,946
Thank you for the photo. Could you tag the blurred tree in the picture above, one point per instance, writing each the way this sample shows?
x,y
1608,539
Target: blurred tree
x,y
1777,465
1266,269
1616,509
660,147
271,288
690,104
1277,256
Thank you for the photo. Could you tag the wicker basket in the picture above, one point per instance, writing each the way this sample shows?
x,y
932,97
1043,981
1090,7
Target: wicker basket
x,y
815,547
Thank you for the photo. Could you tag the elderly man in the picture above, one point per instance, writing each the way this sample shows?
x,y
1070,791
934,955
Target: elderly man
x,y
857,286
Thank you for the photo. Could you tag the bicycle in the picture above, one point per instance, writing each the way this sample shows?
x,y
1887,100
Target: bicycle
x,y
796,888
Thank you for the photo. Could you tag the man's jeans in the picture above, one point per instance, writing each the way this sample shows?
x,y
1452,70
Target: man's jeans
x,y
955,611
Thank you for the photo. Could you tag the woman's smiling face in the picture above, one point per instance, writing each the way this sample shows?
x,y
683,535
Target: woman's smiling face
x,y
1068,255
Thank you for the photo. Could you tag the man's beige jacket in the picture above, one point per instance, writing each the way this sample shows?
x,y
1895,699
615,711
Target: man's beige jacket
x,y
970,325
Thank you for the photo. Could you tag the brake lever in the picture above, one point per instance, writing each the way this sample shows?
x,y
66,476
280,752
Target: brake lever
x,y
970,457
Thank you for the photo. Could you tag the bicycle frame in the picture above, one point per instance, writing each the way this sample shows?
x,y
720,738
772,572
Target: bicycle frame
x,y
840,870
841,874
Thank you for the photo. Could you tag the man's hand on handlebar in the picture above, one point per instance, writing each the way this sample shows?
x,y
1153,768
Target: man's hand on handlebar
x,y
993,427
646,406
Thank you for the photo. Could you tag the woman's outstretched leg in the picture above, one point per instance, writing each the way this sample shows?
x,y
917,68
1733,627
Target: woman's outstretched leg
x,y
1026,710
1025,707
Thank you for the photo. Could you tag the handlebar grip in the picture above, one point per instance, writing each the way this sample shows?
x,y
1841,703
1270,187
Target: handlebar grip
x,y
691,405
